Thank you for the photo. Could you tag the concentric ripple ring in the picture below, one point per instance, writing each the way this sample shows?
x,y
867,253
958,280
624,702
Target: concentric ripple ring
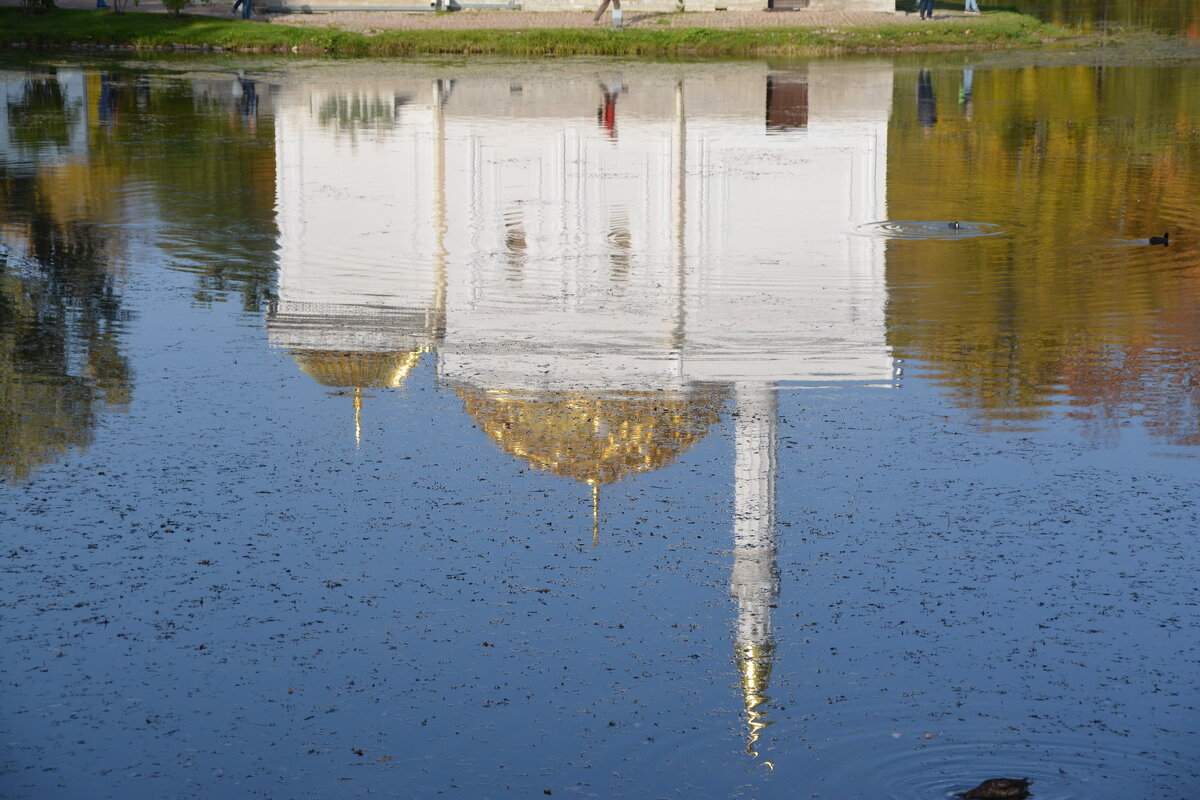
x,y
929,229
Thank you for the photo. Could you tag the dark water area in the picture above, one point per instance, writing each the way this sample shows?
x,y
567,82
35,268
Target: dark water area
x,y
600,429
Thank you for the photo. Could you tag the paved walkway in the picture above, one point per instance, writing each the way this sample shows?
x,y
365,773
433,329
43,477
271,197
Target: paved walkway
x,y
376,21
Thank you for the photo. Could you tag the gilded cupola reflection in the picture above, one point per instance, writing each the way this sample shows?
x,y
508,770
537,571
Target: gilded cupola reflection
x,y
359,371
384,370
593,438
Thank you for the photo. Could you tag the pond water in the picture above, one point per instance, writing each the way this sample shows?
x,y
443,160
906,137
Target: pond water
x,y
1176,17
600,429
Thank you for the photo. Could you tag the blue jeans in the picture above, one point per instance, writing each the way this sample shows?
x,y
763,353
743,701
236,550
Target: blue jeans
x,y
973,5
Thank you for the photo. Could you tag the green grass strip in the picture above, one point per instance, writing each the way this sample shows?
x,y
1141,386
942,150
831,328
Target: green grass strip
x,y
61,28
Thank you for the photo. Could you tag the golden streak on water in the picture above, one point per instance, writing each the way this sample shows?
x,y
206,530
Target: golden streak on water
x,y
755,663
358,416
595,512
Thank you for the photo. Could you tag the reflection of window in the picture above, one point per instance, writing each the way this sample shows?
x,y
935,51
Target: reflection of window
x,y
351,111
515,245
786,5
787,102
620,242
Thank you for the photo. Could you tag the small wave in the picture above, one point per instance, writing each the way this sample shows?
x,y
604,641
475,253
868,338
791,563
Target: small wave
x,y
928,229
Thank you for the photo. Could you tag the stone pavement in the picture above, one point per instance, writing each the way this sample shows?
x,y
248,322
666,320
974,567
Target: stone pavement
x,y
376,21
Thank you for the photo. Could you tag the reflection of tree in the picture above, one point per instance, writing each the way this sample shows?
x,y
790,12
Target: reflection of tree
x,y
178,151
1069,160
41,114
60,319
213,178
1163,384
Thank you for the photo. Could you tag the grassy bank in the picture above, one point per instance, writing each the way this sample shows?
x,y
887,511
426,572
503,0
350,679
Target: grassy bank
x,y
73,28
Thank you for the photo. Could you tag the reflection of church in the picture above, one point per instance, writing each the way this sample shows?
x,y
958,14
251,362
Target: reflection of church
x,y
596,293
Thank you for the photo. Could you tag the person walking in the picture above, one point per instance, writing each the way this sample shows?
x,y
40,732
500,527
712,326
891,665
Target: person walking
x,y
926,9
245,4
972,7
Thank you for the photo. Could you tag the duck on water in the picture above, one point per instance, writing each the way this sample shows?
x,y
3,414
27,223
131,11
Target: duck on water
x,y
1000,789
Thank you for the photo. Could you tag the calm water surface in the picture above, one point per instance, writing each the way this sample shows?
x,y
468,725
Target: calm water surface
x,y
602,430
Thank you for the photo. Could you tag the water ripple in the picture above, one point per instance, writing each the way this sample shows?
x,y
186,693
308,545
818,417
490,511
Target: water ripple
x,y
1071,767
928,229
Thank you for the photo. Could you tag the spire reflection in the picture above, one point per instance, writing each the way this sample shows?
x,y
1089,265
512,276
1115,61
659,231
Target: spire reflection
x,y
754,583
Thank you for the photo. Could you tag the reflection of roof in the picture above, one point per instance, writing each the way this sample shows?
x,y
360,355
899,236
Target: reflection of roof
x,y
594,437
296,325
358,370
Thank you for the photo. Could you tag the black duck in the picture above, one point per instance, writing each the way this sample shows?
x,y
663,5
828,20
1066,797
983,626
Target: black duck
x,y
1000,789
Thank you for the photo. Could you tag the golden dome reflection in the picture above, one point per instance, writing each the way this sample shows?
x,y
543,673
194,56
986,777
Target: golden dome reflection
x,y
359,370
594,437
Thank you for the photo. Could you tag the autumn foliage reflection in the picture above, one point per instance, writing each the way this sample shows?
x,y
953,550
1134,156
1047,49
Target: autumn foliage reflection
x,y
88,153
1080,166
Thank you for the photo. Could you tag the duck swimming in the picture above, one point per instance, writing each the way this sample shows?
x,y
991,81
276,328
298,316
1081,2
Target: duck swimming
x,y
1163,240
1000,789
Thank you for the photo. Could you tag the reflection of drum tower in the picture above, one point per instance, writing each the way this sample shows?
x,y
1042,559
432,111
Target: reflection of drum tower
x,y
361,293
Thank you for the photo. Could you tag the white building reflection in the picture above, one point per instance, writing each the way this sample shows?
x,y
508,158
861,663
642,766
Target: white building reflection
x,y
599,261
